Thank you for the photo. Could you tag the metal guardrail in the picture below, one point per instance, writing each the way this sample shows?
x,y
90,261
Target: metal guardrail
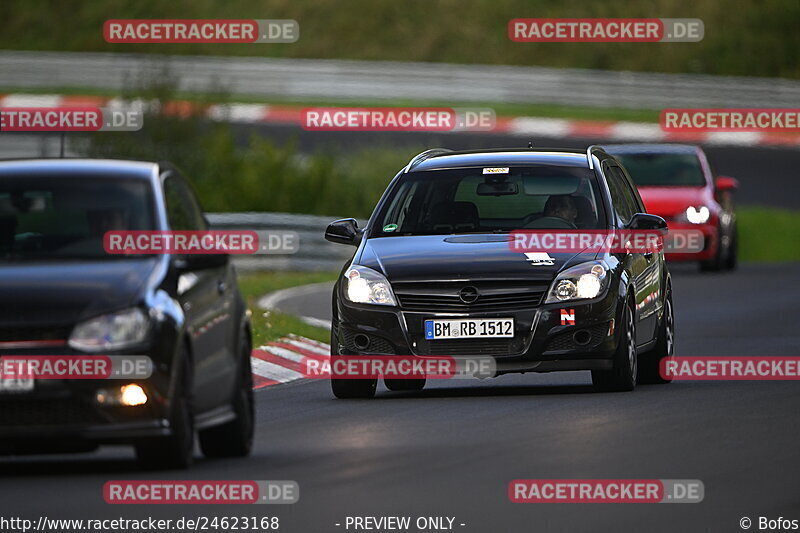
x,y
347,79
314,253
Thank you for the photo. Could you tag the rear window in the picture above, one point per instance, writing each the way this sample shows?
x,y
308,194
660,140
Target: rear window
x,y
663,170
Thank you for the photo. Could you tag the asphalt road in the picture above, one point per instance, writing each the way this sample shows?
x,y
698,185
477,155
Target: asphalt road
x,y
452,449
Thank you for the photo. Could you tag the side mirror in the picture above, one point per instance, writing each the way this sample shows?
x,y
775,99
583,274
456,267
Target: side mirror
x,y
344,231
200,261
647,222
726,183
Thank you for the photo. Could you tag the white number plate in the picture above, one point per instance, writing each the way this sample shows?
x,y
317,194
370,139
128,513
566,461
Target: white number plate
x,y
16,385
468,328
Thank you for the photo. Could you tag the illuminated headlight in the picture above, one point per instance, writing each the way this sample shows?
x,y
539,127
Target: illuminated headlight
x,y
697,215
365,286
110,332
581,282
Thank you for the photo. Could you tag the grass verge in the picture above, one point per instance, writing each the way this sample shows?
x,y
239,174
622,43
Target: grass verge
x,y
768,235
270,325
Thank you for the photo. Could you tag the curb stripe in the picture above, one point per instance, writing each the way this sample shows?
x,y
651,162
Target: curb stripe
x,y
521,126
281,361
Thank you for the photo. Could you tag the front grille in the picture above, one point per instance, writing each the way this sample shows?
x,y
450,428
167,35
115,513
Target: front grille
x,y
471,347
20,411
33,333
564,341
443,297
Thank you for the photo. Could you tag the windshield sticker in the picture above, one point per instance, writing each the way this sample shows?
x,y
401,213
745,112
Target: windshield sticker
x,y
388,228
495,170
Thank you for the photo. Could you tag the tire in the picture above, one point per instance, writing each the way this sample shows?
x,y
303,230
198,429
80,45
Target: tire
x,y
716,263
175,451
348,389
650,362
235,438
622,377
732,259
399,385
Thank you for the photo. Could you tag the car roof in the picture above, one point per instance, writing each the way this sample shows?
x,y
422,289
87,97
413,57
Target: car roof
x,y
634,148
445,159
110,168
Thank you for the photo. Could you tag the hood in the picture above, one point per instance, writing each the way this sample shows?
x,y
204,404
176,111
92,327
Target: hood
x,y
66,292
669,201
452,257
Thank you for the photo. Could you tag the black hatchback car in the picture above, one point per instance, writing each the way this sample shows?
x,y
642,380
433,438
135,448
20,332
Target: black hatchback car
x,y
63,295
433,266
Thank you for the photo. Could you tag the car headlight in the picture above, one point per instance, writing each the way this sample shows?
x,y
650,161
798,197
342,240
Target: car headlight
x,y
581,282
110,332
365,286
695,215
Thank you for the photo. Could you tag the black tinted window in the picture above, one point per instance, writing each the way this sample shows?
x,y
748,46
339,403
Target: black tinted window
x,y
183,212
66,217
663,170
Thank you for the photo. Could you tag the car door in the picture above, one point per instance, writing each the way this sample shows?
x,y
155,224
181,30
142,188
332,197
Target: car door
x,y
644,267
206,296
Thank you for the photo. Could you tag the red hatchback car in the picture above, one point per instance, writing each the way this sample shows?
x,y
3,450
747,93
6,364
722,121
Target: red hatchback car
x,y
676,183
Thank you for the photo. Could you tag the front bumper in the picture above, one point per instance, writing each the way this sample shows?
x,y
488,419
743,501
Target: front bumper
x,y
65,413
543,341
709,246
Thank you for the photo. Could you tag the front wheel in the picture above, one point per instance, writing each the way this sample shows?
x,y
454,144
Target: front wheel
x,y
622,376
235,438
664,350
176,450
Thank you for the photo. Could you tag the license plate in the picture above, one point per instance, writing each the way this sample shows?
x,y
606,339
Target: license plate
x,y
12,385
468,328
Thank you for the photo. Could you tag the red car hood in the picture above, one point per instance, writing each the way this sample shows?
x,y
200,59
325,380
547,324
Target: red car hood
x,y
669,201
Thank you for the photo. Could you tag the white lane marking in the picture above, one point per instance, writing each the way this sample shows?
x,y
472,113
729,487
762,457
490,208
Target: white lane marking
x,y
316,322
309,347
283,352
553,127
238,112
637,130
32,100
273,371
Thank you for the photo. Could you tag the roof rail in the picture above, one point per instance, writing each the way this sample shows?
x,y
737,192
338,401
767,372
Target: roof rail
x,y
589,154
419,158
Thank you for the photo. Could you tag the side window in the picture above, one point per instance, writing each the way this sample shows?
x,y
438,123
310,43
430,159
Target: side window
x,y
630,187
183,212
621,195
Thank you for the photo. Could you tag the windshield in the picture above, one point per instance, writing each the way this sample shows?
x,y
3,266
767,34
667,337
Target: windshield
x,y
46,218
469,201
663,170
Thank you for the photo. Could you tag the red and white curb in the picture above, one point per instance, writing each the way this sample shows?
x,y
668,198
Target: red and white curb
x,y
281,361
620,131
